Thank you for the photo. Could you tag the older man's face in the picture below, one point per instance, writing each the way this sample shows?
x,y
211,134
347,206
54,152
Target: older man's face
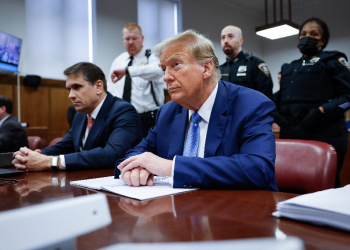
x,y
182,74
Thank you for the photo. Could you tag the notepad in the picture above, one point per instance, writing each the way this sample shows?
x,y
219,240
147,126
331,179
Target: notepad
x,y
329,207
161,187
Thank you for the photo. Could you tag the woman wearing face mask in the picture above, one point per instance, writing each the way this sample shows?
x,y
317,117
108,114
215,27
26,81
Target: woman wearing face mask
x,y
315,92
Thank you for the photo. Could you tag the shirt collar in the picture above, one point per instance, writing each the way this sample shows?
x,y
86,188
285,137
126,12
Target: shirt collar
x,y
97,109
137,56
207,107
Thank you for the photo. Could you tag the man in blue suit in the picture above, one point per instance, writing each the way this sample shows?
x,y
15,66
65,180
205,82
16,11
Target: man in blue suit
x,y
213,134
103,129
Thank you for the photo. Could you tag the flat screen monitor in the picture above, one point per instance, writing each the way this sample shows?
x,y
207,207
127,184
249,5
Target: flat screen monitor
x,y
10,49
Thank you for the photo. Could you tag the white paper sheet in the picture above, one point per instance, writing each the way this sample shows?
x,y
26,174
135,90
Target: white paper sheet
x,y
328,207
161,187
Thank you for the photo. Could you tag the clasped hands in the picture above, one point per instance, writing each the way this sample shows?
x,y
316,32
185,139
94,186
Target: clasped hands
x,y
139,170
29,160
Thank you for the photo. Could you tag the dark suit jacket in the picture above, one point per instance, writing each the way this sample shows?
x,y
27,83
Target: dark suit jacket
x,y
12,135
116,129
240,146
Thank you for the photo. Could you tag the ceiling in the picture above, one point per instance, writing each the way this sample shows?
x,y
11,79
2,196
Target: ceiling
x,y
257,7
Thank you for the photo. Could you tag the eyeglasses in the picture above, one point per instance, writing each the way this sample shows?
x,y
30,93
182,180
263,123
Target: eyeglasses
x,y
7,181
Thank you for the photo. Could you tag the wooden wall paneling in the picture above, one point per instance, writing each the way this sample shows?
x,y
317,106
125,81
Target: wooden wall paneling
x,y
7,90
10,90
34,106
59,103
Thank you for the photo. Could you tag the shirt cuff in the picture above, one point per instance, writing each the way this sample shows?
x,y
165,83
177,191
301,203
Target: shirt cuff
x,y
171,180
62,165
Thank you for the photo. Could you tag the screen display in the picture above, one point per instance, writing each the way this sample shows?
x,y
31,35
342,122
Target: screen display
x,y
10,49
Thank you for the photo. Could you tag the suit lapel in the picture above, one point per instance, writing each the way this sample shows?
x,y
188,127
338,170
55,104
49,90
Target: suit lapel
x,y
98,122
217,123
178,133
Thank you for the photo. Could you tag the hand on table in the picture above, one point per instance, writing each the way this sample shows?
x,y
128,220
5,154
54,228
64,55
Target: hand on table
x,y
29,160
139,169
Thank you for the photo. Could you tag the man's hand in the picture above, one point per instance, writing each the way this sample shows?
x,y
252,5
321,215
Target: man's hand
x,y
139,169
117,75
26,159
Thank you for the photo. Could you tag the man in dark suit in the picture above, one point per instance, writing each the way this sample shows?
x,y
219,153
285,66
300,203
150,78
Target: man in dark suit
x,y
104,127
213,134
12,134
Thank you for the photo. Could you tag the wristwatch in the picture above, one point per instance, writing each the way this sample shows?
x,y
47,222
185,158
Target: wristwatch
x,y
54,162
126,70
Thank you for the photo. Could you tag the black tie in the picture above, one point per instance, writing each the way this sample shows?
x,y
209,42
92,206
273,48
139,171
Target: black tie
x,y
226,75
127,85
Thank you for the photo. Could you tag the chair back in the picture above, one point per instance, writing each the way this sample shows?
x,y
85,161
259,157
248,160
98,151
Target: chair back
x,y
304,166
55,141
34,142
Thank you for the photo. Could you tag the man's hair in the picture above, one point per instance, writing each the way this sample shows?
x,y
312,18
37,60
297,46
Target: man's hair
x,y
132,26
5,101
90,72
200,47
323,26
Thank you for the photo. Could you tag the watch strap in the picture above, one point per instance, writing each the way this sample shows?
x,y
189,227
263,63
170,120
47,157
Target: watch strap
x,y
54,162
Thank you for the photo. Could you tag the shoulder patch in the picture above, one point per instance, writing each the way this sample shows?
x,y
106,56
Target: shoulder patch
x,y
263,67
343,61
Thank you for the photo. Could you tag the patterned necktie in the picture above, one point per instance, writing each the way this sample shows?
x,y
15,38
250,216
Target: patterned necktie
x,y
127,84
192,140
90,122
226,75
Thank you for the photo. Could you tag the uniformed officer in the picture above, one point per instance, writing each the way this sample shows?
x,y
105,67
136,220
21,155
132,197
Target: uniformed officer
x,y
315,92
243,69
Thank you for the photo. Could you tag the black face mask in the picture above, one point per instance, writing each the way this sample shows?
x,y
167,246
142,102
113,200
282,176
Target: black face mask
x,y
308,46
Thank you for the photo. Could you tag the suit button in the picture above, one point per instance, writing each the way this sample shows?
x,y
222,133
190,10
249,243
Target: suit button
x,y
185,186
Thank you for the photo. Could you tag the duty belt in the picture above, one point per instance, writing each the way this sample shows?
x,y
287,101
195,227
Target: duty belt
x,y
149,114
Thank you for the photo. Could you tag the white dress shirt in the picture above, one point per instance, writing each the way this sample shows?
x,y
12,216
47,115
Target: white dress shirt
x,y
205,113
141,73
84,137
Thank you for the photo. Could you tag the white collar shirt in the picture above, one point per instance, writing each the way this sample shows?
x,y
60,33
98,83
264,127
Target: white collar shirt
x,y
142,71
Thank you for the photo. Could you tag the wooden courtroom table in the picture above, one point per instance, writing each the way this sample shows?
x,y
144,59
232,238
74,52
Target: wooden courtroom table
x,y
199,215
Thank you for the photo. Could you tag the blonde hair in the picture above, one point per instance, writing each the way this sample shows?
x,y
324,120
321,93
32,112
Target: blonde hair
x,y
200,47
132,26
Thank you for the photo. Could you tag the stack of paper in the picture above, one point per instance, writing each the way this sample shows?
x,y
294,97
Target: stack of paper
x,y
330,207
161,187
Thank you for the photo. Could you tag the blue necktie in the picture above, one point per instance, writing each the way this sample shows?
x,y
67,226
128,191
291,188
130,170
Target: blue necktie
x,y
192,140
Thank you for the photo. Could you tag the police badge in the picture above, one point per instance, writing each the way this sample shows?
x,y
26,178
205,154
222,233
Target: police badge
x,y
343,61
263,67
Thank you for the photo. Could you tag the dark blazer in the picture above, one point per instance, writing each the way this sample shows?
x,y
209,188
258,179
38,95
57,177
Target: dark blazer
x,y
12,135
240,146
116,129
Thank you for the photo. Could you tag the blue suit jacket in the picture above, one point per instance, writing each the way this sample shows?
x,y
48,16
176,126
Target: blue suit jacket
x,y
240,146
116,129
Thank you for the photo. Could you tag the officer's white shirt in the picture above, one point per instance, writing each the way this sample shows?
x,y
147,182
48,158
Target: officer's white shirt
x,y
141,74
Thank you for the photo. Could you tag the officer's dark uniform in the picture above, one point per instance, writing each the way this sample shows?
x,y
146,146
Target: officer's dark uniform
x,y
248,71
306,84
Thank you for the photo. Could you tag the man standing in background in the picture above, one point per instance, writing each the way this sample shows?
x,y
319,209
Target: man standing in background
x,y
243,69
12,134
137,78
